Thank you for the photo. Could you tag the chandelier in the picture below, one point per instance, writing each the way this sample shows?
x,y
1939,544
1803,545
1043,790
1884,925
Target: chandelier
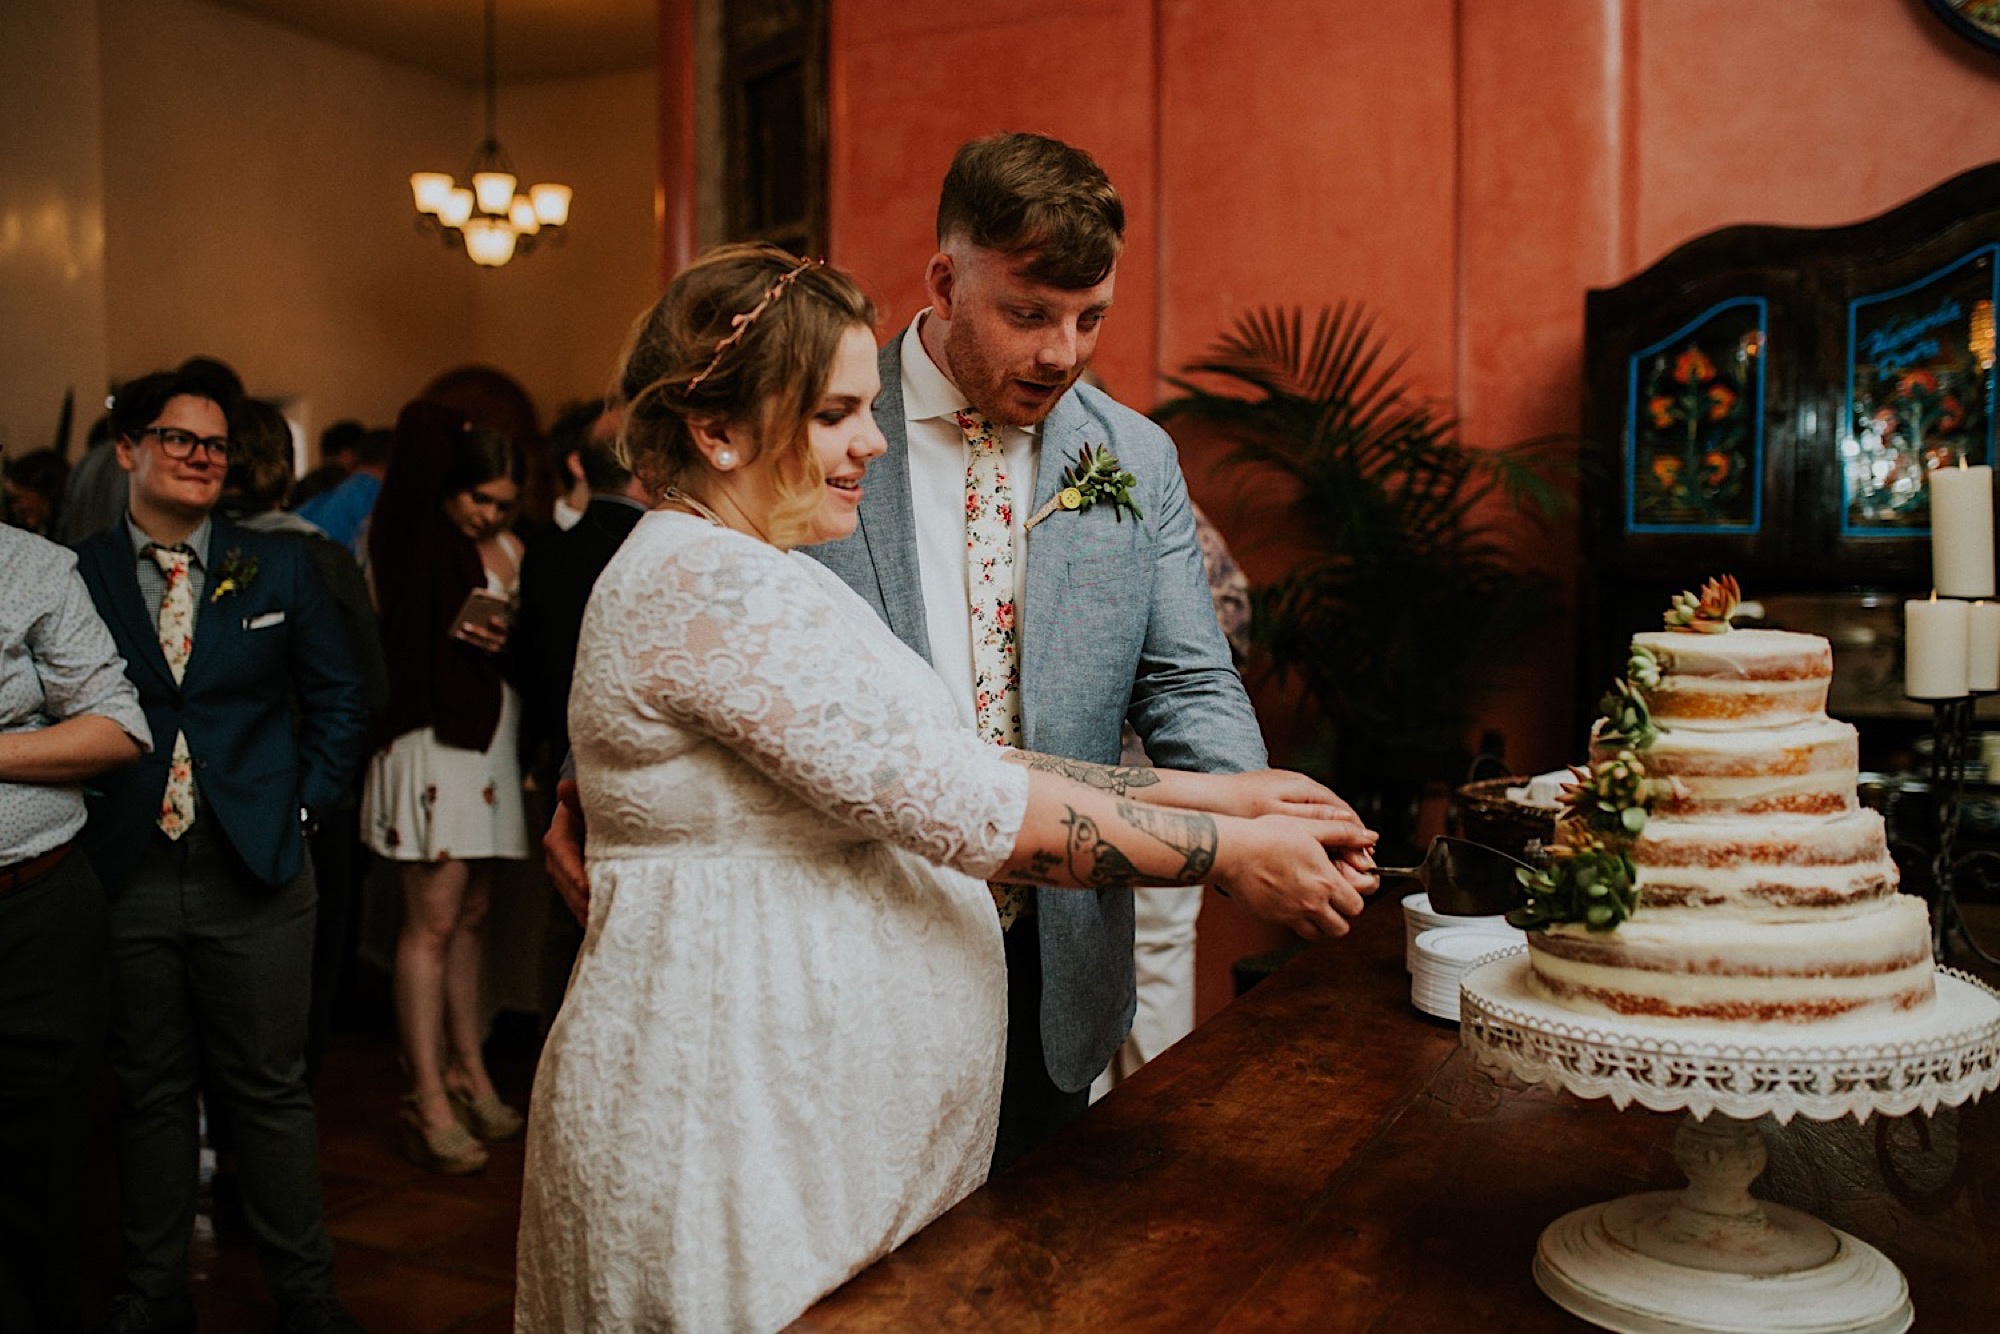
x,y
489,220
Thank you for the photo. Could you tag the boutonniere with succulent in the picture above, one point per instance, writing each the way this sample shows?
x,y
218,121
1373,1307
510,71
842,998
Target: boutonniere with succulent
x,y
233,575
1094,479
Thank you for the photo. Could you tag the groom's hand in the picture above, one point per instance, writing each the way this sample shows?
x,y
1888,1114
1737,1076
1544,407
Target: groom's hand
x,y
1273,792
562,851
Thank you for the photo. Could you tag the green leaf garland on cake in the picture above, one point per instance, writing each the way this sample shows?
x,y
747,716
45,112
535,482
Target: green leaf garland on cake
x,y
1590,878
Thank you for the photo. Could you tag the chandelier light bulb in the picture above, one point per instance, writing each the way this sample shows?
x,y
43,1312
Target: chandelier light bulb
x,y
429,188
457,207
522,214
489,241
551,203
495,191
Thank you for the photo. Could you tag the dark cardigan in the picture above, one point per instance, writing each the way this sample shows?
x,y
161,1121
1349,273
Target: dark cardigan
x,y
422,567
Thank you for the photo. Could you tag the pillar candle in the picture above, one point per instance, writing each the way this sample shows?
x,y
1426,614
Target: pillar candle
x,y
1934,648
1982,646
1962,531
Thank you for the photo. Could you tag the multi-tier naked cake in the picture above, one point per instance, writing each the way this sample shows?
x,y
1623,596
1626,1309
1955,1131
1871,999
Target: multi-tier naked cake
x,y
1714,864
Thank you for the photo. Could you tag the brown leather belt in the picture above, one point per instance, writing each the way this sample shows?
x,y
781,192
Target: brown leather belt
x,y
23,874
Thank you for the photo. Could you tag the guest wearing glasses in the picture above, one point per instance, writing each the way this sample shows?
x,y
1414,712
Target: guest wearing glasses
x,y
201,850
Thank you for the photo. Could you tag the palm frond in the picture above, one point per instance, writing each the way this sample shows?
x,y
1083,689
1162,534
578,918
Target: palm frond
x,y
1405,595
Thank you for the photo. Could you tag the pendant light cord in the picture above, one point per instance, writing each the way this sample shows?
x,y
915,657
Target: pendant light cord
x,y
491,137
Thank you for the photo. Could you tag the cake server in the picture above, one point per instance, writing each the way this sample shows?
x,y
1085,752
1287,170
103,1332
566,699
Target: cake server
x,y
1465,879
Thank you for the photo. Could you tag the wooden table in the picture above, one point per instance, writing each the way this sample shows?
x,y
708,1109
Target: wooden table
x,y
1320,1156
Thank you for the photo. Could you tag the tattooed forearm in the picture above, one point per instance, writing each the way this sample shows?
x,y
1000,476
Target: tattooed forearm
x,y
1117,779
1190,833
1099,863
1036,872
1096,862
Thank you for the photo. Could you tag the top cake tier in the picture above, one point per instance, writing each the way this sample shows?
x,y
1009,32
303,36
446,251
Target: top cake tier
x,y
1744,678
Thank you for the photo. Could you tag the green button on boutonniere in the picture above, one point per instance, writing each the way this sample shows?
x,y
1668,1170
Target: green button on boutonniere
x,y
234,574
1095,478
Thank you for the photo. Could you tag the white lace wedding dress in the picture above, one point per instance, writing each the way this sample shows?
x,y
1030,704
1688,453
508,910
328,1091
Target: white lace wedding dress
x,y
781,1050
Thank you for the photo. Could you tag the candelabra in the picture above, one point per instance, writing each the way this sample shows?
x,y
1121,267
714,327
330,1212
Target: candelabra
x,y
1951,732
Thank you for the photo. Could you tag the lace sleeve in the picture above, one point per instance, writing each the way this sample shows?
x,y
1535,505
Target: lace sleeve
x,y
736,641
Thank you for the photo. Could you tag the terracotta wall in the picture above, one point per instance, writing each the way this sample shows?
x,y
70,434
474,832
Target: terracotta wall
x,y
1467,168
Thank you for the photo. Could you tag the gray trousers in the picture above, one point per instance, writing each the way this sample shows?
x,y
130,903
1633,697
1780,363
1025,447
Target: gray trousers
x,y
211,983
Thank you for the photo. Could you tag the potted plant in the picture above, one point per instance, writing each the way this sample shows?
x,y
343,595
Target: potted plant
x,y
1404,598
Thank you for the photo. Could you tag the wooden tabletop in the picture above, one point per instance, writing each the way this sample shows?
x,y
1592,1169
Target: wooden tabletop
x,y
1321,1156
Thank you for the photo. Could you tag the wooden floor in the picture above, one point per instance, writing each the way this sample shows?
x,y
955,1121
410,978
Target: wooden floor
x,y
415,1253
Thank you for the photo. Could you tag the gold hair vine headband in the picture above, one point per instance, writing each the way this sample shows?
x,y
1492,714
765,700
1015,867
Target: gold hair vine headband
x,y
740,324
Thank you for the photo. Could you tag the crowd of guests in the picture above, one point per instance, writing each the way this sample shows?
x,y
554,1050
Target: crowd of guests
x,y
243,669
856,921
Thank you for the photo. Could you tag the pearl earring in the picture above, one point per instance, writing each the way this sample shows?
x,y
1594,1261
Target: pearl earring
x,y
725,458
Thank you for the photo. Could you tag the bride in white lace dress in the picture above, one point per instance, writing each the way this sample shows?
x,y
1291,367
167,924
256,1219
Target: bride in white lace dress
x,y
781,1050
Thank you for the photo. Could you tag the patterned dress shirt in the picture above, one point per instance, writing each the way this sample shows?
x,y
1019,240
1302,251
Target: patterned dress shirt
x,y
57,661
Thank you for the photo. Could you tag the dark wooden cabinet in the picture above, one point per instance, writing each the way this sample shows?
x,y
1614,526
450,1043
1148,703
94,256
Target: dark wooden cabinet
x,y
1763,402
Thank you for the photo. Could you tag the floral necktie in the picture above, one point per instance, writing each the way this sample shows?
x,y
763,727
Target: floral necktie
x,y
176,628
989,599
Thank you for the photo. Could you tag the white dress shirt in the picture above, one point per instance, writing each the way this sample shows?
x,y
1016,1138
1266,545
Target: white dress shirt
x,y
938,460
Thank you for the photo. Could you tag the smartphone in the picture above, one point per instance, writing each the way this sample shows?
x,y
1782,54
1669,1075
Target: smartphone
x,y
482,608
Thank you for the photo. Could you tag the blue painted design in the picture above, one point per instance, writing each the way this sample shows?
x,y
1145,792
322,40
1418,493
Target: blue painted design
x,y
1915,395
1694,424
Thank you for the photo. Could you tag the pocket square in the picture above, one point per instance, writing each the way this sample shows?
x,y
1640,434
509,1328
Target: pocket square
x,y
264,622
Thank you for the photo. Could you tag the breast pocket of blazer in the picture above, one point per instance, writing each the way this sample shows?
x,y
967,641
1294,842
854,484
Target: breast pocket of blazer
x,y
260,642
1119,560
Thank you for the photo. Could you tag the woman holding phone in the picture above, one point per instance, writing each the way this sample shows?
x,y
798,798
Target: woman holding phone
x,y
443,793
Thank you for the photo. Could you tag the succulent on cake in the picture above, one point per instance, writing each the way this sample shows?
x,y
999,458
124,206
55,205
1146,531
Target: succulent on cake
x,y
1626,717
1708,613
1584,882
1642,669
1590,877
1613,798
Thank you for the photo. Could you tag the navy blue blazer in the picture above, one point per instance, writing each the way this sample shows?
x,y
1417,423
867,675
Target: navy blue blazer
x,y
262,653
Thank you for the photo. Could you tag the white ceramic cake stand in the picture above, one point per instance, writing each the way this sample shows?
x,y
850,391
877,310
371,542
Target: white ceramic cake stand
x,y
1712,1256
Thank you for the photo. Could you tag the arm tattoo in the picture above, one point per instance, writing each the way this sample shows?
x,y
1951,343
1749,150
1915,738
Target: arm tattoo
x,y
1117,779
1190,833
1099,863
1036,872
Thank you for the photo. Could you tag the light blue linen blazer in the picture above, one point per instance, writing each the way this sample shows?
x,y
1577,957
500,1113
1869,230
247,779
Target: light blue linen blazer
x,y
1118,621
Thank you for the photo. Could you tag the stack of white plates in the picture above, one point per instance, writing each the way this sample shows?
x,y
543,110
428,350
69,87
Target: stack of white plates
x,y
1418,918
1442,954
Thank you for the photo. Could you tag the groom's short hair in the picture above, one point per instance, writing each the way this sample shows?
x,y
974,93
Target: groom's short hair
x,y
1028,194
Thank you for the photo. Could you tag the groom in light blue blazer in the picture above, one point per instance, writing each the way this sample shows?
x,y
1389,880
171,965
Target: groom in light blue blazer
x,y
1116,619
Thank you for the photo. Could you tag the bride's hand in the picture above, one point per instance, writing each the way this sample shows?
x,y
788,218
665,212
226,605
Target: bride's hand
x,y
1306,875
562,851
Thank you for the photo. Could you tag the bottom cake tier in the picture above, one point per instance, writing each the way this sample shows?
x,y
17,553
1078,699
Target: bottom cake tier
x,y
1872,959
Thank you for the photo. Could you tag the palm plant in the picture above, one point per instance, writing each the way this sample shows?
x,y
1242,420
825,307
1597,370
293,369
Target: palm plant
x,y
1405,598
